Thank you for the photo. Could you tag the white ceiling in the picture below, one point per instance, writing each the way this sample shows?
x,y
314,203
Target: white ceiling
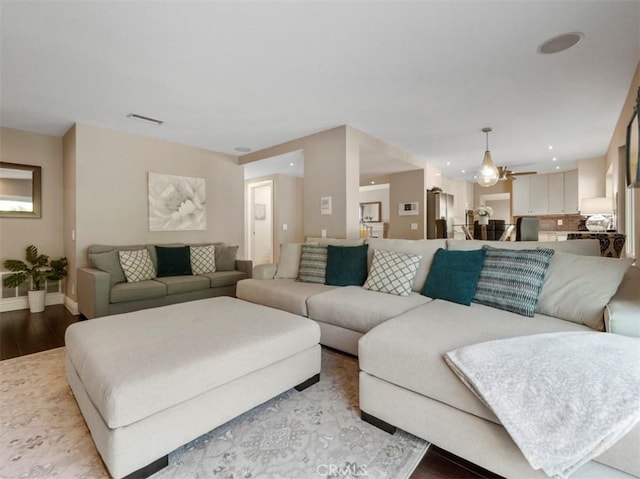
x,y
425,76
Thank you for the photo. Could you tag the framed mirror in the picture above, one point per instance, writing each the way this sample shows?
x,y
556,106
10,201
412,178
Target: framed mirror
x,y
633,146
20,190
371,212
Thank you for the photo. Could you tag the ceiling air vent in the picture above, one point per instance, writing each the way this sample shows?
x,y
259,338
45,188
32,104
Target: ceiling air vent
x,y
146,119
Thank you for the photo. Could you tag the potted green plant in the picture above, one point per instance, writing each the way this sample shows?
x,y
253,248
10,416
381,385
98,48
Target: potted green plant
x,y
39,269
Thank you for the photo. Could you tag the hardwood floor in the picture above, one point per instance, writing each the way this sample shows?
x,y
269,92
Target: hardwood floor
x,y
22,333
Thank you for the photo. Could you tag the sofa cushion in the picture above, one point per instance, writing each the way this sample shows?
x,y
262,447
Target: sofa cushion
x,y
203,259
577,288
147,289
408,350
454,275
226,257
285,294
585,247
137,265
218,279
109,262
289,262
173,261
346,265
359,309
512,279
392,272
313,264
425,248
184,284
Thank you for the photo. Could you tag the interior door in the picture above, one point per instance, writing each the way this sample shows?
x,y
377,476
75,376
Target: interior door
x,y
262,223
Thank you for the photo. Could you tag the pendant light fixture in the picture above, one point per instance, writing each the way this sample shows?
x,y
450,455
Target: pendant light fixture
x,y
488,174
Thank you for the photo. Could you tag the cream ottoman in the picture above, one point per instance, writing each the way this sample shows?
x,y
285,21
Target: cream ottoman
x,y
150,381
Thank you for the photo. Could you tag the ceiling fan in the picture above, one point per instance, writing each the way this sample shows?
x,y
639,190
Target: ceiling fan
x,y
507,174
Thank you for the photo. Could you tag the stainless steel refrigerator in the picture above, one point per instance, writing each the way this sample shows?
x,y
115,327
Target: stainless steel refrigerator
x,y
439,206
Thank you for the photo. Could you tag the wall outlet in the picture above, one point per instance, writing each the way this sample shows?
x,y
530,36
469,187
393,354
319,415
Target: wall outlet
x,y
323,233
414,226
285,226
559,222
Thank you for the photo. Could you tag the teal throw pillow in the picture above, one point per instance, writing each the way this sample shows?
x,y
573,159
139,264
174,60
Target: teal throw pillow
x,y
454,275
173,261
512,279
346,265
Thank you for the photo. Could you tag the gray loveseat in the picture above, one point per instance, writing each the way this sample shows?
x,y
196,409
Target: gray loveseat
x,y
103,289
401,341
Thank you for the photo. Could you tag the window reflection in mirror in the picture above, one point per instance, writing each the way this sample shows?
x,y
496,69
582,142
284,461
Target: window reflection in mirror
x,y
371,212
20,190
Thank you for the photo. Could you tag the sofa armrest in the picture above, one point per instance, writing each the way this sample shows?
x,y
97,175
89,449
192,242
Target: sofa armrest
x,y
265,271
94,287
245,265
622,314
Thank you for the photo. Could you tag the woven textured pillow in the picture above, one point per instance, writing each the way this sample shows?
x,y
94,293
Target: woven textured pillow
x,y
173,261
203,259
512,279
392,272
313,263
137,265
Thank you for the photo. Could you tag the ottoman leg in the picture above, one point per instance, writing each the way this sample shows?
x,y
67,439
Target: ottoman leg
x,y
309,382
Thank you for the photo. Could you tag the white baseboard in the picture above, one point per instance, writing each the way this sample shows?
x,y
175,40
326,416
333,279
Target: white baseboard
x,y
21,302
71,305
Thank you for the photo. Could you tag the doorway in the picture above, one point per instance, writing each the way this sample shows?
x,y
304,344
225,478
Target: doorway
x,y
261,222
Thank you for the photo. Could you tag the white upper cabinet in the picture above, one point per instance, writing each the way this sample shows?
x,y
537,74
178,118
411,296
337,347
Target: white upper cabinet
x,y
556,194
551,194
571,202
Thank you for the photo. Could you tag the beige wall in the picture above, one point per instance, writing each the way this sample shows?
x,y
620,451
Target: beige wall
x,y
325,174
46,233
69,207
591,179
111,199
615,159
407,187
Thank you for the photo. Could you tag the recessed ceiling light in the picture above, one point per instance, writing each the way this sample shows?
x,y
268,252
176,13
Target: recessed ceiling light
x,y
551,147
554,159
373,182
292,164
242,149
560,43
557,167
448,163
146,119
463,171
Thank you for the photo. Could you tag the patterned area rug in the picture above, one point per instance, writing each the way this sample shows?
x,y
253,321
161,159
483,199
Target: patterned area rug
x,y
316,433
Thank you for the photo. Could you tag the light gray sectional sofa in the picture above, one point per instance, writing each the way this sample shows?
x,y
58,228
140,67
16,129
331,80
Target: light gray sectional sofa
x,y
401,341
103,289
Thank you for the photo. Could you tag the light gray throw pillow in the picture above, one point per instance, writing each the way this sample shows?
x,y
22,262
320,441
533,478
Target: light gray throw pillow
x,y
289,262
577,288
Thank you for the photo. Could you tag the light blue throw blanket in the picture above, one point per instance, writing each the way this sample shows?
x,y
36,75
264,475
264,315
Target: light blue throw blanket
x,y
563,397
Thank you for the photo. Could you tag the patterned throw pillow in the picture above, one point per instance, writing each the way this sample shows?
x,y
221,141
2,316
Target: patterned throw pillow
x,y
203,259
313,263
512,279
137,265
392,272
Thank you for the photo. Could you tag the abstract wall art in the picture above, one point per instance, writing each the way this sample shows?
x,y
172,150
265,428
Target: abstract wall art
x,y
176,203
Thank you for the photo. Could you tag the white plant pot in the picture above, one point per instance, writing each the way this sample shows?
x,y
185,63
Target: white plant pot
x,y
37,301
483,220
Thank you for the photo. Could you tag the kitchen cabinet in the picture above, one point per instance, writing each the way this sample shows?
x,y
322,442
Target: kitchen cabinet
x,y
550,194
